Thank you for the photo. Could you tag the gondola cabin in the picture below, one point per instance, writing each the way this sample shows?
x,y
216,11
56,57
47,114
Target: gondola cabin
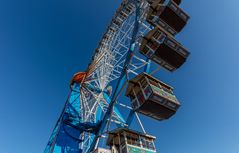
x,y
123,140
152,97
163,49
168,15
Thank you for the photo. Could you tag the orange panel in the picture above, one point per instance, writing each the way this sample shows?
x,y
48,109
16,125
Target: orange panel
x,y
78,77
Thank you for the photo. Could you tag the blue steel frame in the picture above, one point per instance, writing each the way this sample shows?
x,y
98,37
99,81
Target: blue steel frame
x,y
66,136
122,80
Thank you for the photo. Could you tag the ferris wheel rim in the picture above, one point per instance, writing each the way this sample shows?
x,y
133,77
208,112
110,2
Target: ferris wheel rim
x,y
133,29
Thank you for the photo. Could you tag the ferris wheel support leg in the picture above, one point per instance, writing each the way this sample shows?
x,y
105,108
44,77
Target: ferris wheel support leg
x,y
132,112
108,114
116,110
59,129
147,67
50,146
53,137
130,118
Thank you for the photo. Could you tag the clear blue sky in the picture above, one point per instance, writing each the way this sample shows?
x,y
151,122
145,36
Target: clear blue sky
x,y
43,43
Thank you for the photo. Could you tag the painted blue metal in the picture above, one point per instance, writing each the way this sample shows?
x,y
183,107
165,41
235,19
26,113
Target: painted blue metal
x,y
116,110
53,137
108,100
132,112
93,88
66,134
67,140
130,118
122,80
78,131
147,67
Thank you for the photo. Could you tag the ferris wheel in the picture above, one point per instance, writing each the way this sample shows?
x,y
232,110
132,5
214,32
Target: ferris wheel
x,y
137,43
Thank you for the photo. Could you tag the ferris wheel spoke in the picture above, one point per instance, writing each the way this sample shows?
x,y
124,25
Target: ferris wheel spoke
x,y
98,102
141,125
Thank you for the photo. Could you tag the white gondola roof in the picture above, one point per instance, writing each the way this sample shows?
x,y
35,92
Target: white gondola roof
x,y
120,130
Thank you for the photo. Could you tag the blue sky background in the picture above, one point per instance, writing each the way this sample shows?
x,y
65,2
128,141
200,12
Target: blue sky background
x,y
43,43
